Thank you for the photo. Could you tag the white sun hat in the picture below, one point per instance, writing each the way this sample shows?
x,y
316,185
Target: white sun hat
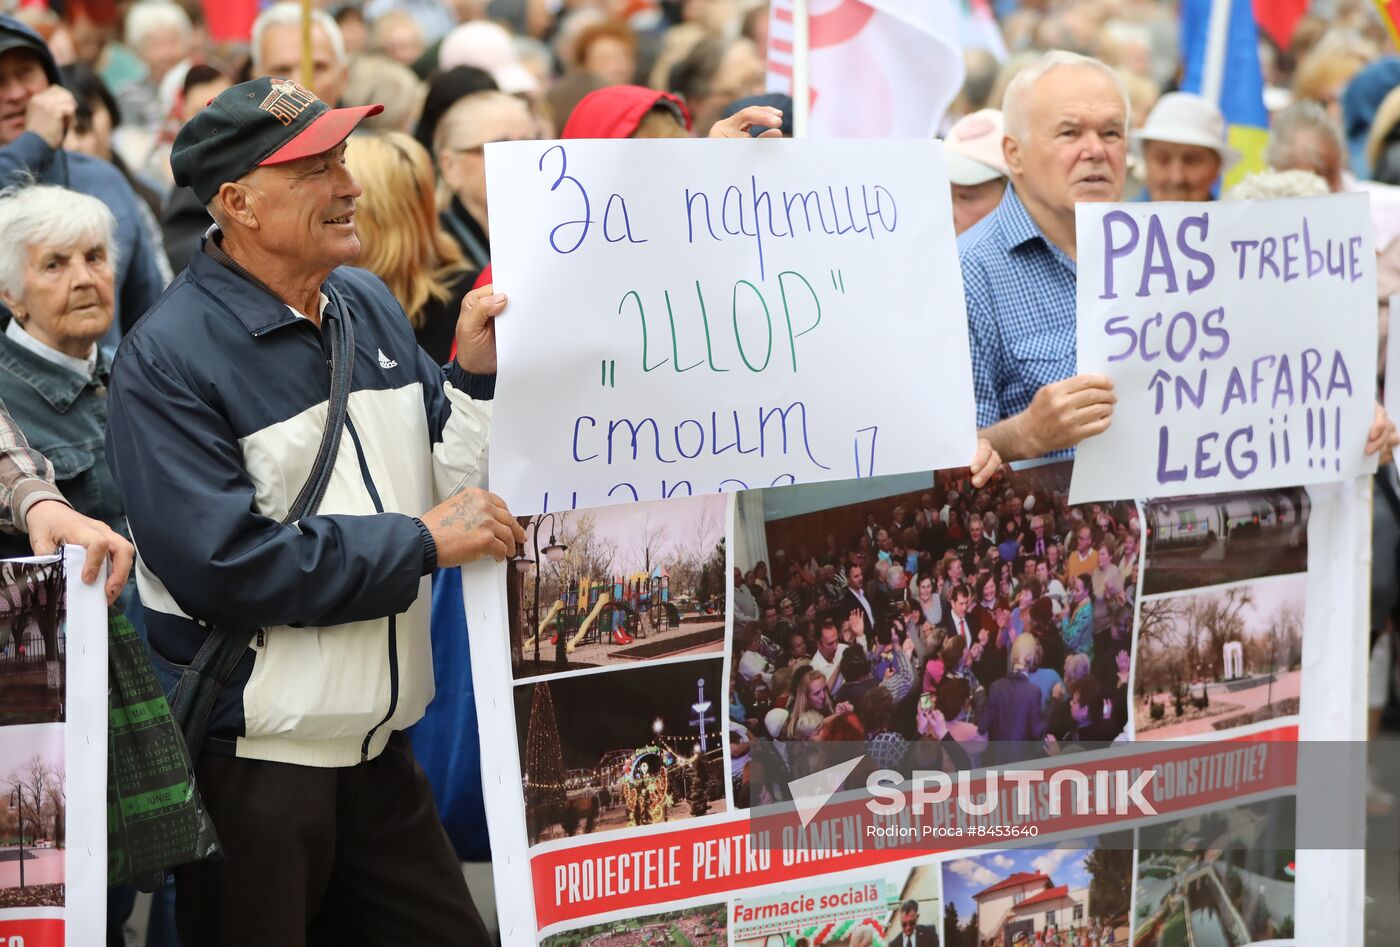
x,y
1184,118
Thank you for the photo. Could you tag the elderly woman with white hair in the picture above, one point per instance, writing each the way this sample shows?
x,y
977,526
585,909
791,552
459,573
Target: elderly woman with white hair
x,y
57,276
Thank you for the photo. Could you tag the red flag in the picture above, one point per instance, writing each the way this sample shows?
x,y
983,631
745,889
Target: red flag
x,y
230,20
1278,18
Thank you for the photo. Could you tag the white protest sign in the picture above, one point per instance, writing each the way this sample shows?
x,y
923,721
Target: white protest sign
x,y
694,317
1241,340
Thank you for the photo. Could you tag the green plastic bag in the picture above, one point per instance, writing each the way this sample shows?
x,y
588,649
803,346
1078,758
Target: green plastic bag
x,y
155,817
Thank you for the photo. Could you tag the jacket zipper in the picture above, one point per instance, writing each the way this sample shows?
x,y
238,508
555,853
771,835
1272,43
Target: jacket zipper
x,y
393,628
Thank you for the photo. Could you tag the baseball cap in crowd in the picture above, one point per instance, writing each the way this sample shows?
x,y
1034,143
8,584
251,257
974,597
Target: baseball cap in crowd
x,y
1184,118
973,148
263,121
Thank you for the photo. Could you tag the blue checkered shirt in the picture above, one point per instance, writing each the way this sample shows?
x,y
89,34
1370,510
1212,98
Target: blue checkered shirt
x,y
1020,292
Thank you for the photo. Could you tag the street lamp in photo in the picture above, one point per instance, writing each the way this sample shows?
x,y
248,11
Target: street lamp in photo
x,y
1273,666
522,564
567,613
17,802
553,553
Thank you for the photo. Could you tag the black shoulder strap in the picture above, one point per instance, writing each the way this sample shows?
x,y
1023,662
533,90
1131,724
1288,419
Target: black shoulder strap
x,y
342,369
192,701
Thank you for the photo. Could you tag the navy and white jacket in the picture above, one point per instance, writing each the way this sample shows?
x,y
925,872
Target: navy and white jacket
x,y
217,405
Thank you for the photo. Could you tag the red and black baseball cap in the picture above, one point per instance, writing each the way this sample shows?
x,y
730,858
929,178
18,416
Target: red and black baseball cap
x,y
260,122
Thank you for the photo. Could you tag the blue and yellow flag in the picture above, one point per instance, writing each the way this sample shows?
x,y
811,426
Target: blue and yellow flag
x,y
1220,46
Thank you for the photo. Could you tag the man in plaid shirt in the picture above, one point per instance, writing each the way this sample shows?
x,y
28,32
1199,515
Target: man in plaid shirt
x,y
1066,143
30,503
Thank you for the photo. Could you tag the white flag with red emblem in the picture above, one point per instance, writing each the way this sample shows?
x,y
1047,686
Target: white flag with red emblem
x,y
879,68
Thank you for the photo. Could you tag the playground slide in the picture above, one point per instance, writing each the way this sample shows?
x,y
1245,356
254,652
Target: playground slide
x,y
587,623
544,623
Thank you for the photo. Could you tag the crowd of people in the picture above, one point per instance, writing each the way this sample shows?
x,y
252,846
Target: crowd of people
x,y
952,625
985,621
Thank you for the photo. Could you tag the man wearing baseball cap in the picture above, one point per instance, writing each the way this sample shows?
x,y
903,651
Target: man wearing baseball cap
x,y
220,397
976,166
1183,147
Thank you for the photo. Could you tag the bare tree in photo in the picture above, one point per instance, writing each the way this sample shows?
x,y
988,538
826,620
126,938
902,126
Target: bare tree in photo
x,y
38,787
1184,638
651,541
56,806
1211,623
589,555
706,532
1281,641
1156,637
9,824
1290,640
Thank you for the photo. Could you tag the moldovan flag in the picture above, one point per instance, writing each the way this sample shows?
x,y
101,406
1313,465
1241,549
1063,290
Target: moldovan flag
x,y
1220,46
879,69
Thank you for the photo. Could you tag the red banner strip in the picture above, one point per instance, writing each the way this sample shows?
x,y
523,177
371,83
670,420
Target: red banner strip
x,y
718,859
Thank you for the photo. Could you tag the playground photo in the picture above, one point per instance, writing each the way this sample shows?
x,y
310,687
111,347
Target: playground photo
x,y
1232,887
1229,537
1059,897
1219,659
636,746
33,614
32,816
861,909
618,585
703,926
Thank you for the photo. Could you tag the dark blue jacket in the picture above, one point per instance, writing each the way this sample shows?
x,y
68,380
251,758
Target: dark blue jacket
x,y
218,401
64,417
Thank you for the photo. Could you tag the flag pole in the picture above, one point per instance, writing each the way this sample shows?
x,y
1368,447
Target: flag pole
x,y
801,69
306,68
1217,40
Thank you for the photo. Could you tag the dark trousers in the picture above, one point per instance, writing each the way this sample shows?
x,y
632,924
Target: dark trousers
x,y
325,856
